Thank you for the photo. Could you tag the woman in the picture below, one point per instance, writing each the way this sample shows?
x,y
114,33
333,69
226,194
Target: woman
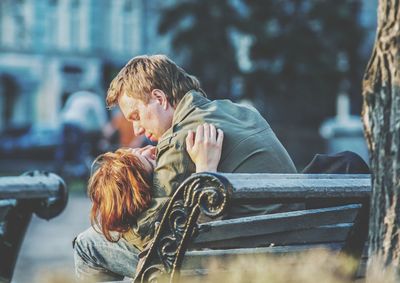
x,y
120,189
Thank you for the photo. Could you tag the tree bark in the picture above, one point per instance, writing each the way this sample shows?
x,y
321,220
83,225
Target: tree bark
x,y
381,117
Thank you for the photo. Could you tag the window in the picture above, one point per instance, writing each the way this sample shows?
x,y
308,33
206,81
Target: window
x,y
51,24
75,23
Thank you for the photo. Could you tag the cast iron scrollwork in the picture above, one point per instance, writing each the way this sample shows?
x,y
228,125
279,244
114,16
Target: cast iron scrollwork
x,y
154,274
206,193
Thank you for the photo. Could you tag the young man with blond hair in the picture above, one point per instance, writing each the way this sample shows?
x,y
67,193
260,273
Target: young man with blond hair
x,y
164,103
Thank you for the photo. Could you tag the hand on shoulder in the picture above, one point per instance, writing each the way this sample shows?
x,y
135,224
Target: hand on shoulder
x,y
204,147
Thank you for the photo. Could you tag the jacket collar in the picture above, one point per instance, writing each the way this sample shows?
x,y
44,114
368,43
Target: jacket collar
x,y
188,103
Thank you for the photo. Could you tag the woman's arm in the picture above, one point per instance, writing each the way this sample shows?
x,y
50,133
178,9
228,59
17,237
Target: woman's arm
x,y
204,147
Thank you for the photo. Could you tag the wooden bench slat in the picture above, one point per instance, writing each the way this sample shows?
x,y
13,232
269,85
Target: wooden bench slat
x,y
277,186
201,259
322,234
268,176
273,223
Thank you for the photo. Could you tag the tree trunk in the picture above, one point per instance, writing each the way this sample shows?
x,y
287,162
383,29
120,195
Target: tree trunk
x,y
381,117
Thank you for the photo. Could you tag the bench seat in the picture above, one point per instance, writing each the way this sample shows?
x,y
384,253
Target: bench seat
x,y
336,217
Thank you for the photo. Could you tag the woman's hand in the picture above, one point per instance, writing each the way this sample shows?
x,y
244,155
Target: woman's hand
x,y
205,147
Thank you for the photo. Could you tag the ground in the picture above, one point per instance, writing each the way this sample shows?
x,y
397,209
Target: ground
x,y
47,247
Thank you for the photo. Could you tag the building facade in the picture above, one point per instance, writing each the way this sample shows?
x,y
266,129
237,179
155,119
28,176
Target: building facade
x,y
52,48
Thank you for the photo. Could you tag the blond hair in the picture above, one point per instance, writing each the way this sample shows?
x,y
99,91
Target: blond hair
x,y
144,73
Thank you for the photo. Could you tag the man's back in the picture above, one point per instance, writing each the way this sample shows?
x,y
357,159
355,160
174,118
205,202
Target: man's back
x,y
250,146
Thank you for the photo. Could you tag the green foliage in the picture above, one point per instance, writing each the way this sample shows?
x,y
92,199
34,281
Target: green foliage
x,y
201,34
302,52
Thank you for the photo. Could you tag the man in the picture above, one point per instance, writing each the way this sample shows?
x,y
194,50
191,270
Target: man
x,y
118,133
163,102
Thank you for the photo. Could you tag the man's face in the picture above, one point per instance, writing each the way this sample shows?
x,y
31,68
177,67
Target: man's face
x,y
152,119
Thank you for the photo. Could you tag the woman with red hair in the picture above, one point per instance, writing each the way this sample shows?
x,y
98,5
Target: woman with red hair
x,y
120,190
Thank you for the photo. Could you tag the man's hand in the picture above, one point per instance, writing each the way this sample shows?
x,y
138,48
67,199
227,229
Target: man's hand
x,y
205,147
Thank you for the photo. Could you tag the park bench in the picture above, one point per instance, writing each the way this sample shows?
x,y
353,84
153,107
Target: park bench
x,y
336,217
44,194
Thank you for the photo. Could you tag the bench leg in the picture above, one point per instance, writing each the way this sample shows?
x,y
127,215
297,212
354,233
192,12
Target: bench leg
x,y
17,222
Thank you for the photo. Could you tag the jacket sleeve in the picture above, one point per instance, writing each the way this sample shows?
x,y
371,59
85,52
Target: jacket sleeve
x,y
173,165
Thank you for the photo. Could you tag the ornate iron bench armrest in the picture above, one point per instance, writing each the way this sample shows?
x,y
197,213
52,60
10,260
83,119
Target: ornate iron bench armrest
x,y
207,193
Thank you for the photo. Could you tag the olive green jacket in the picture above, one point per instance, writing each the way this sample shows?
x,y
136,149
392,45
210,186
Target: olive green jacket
x,y
250,146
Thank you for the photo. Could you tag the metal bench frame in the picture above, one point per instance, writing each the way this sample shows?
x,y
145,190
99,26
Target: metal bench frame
x,y
335,195
42,193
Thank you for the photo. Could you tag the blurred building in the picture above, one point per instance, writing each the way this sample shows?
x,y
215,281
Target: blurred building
x,y
51,48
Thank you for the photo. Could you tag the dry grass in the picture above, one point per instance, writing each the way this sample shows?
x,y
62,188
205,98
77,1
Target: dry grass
x,y
378,272
311,267
317,266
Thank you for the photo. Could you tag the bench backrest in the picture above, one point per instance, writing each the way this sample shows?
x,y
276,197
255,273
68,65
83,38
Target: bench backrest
x,y
338,219
42,193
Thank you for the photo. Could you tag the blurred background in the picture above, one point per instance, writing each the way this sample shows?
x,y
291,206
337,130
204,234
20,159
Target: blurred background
x,y
299,62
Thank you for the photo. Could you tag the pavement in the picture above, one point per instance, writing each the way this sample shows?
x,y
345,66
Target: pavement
x,y
46,253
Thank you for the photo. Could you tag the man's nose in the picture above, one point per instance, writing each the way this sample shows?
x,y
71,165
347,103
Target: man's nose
x,y
137,129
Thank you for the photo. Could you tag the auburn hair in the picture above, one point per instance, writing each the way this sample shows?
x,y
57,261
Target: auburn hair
x,y
142,74
120,190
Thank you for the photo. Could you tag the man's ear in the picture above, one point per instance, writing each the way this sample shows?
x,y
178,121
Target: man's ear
x,y
160,97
